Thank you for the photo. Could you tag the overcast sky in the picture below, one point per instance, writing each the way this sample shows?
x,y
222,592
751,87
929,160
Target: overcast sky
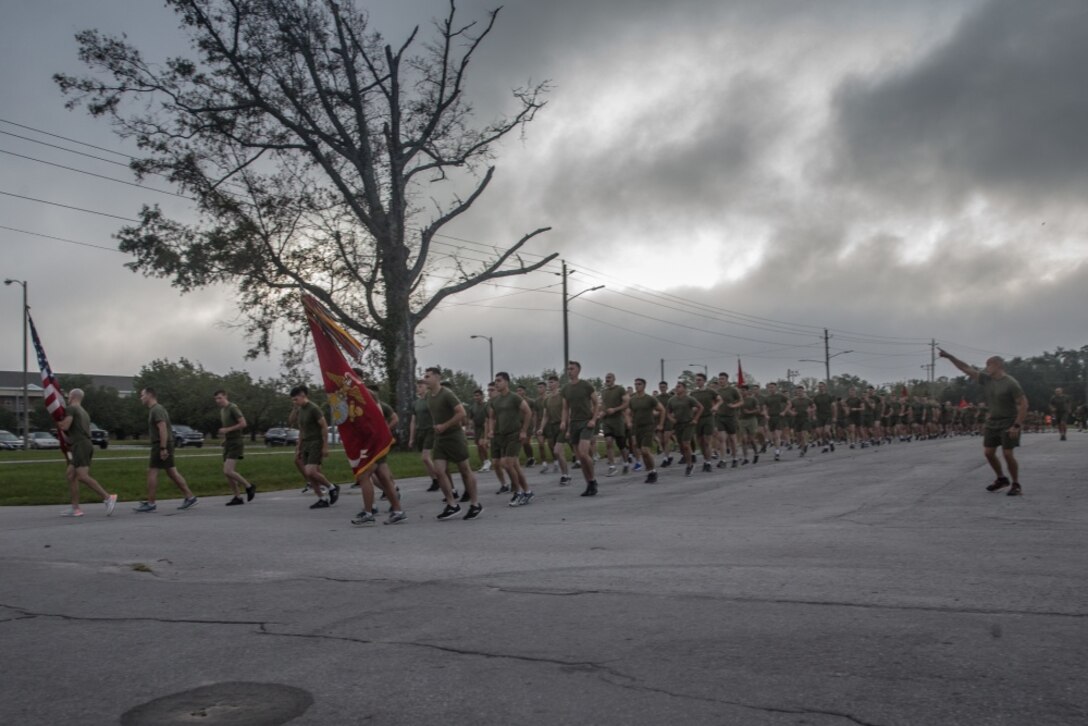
x,y
739,175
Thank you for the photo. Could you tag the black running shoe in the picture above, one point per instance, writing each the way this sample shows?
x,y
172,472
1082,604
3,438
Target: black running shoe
x,y
735,464
474,511
651,478
1014,490
464,496
251,491
687,469
434,486
530,461
755,459
449,512
999,483
503,489
591,489
707,467
832,446
722,465
334,494
320,504
235,502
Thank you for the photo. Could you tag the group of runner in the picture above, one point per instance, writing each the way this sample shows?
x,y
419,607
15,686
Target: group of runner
x,y
728,425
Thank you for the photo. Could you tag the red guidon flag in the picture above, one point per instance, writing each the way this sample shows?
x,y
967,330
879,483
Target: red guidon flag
x,y
51,393
740,374
963,403
358,417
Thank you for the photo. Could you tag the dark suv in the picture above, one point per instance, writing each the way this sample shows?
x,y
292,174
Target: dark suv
x,y
281,437
187,436
100,437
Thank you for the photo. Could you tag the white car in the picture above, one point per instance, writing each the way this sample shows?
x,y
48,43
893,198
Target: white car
x,y
9,440
43,440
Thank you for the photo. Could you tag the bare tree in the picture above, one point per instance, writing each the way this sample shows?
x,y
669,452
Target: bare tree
x,y
307,143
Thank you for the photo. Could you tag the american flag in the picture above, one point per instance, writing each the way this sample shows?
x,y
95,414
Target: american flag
x,y
54,397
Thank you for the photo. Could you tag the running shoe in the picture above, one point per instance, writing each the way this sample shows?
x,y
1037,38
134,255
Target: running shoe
x,y
527,497
111,502
474,511
707,468
651,478
591,489
145,507
451,511
486,466
687,470
544,469
626,468
999,483
364,519
564,481
755,459
320,504
334,494
71,512
638,466
396,518
611,470
722,465
251,491
235,501
464,496
305,489
1014,490
734,464
189,502
434,486
517,500
530,462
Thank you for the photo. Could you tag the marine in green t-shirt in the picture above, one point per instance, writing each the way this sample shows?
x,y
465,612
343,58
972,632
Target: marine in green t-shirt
x,y
580,421
76,425
232,423
162,453
450,445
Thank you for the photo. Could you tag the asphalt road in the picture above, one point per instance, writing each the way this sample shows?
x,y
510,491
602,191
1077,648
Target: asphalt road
x,y
879,586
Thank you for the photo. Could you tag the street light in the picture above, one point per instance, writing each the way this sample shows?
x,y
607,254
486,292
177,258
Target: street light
x,y
706,370
566,322
26,390
491,350
827,363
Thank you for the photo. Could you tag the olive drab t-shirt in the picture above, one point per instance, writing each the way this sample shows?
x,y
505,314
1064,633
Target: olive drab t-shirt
x,y
507,410
775,403
729,395
852,403
612,397
801,405
309,423
1060,404
750,407
579,400
643,411
230,415
422,412
154,415
478,413
443,406
553,407
80,430
706,398
1001,396
875,405
823,404
683,408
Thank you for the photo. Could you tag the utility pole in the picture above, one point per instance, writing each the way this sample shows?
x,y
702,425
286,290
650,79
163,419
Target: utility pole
x,y
662,370
26,390
566,324
827,358
791,374
932,360
566,306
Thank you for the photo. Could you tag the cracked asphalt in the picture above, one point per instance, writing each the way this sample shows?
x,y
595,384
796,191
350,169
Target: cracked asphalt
x,y
871,587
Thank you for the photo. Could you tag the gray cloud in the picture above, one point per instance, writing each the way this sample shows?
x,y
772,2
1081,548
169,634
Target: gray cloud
x,y
999,108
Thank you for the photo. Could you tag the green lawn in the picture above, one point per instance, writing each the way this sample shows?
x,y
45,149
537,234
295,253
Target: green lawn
x,y
41,480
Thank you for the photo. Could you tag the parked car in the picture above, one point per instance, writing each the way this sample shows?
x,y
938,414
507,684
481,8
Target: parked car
x,y
43,440
100,437
187,436
9,441
280,437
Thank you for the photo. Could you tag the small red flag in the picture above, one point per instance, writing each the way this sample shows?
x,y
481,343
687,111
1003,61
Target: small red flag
x,y
363,431
740,374
963,403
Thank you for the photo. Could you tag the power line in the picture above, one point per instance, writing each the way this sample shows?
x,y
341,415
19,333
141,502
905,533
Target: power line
x,y
61,239
68,206
91,173
64,148
65,138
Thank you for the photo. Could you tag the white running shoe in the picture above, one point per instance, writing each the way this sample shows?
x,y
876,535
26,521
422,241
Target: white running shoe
x,y
111,502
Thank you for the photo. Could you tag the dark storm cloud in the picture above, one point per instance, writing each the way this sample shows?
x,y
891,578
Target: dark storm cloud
x,y
1001,108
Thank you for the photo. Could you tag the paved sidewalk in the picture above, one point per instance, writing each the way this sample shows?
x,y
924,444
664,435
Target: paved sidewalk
x,y
878,586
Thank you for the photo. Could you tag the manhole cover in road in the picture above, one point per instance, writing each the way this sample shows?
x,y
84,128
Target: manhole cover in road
x,y
230,704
